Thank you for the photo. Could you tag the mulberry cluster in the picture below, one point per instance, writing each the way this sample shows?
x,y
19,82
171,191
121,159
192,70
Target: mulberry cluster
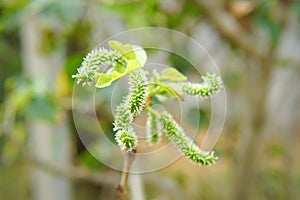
x,y
127,140
211,85
123,118
105,66
95,61
185,144
139,91
131,106
153,131
125,136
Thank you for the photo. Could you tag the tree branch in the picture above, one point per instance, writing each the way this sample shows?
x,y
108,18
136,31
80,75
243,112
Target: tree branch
x,y
77,173
229,28
123,185
107,178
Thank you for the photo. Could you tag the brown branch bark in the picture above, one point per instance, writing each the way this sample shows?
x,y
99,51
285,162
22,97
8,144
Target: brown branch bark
x,y
122,187
230,29
257,76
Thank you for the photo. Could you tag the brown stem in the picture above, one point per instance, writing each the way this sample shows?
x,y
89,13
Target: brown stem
x,y
123,185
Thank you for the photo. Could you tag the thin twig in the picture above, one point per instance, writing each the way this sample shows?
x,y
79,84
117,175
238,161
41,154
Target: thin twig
x,y
81,173
123,185
76,172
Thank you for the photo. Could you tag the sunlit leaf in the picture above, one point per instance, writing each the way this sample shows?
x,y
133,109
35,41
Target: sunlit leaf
x,y
125,50
136,57
104,80
172,74
163,89
140,54
120,68
133,64
129,51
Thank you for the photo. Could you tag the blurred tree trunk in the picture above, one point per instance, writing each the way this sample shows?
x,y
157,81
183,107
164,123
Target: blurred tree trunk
x,y
290,130
256,82
284,101
258,57
47,142
291,104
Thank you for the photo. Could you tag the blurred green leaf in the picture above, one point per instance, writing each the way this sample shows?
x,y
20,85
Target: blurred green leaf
x,y
275,149
20,98
265,18
90,161
72,62
42,108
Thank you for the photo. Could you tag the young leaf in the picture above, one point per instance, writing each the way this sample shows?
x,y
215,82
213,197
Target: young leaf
x,y
172,74
95,61
133,64
104,80
140,54
126,50
168,89
129,51
120,68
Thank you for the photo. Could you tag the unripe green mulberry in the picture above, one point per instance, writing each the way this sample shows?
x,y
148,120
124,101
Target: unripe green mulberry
x,y
125,136
185,144
211,85
123,117
153,131
131,106
127,140
139,91
95,61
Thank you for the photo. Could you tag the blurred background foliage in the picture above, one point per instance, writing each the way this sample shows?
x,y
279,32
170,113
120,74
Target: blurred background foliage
x,y
255,43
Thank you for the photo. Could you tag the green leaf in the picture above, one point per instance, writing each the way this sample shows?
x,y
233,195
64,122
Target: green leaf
x,y
140,54
172,74
163,89
129,51
104,80
125,50
120,68
136,58
132,65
